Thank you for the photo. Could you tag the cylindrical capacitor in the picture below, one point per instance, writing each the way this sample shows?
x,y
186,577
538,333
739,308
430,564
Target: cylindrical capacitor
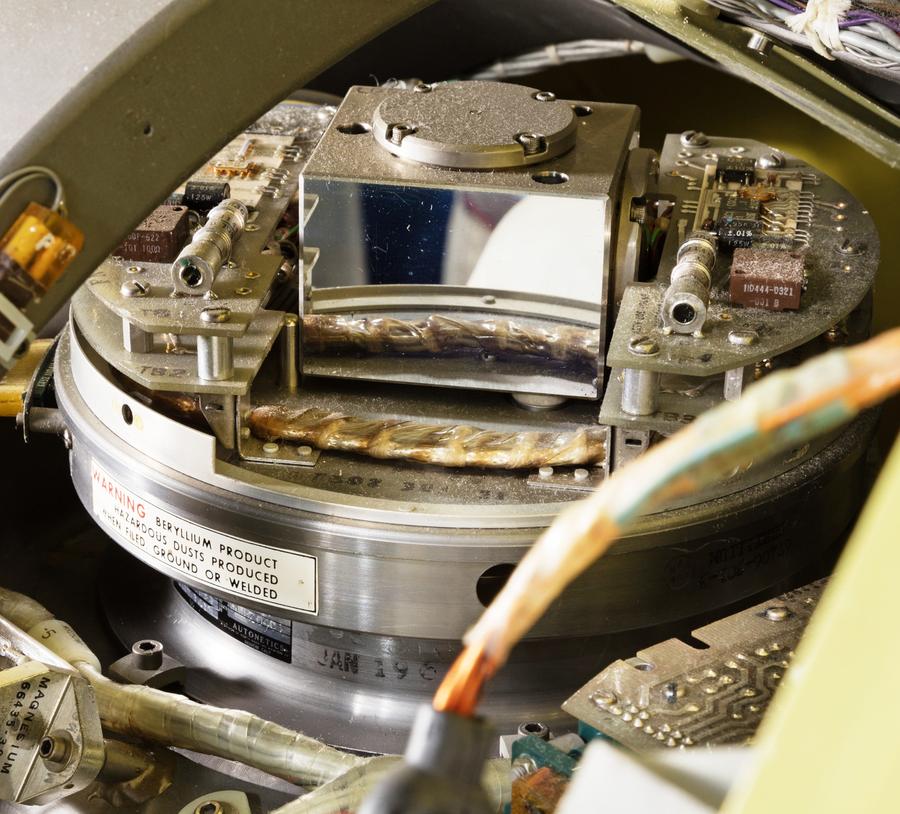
x,y
687,298
196,267
201,196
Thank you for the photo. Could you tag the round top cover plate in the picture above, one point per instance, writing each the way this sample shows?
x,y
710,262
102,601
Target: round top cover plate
x,y
475,125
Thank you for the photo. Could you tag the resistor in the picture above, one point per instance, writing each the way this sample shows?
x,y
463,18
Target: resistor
x,y
201,196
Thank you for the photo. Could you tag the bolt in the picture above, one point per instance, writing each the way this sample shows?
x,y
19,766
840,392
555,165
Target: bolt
x,y
742,338
545,96
850,246
759,43
252,275
134,269
536,728
215,314
148,654
56,749
522,766
643,346
304,450
251,227
422,87
770,161
777,613
243,291
134,288
693,138
545,472
270,447
397,132
737,149
581,475
532,143
489,299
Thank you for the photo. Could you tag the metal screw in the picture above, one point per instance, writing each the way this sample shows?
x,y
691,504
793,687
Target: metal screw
x,y
536,728
737,149
643,346
759,43
532,143
545,472
216,314
67,439
422,87
770,161
545,96
148,654
581,474
251,227
304,450
252,275
270,447
489,299
743,338
777,613
56,749
693,138
134,269
850,246
243,291
134,288
397,132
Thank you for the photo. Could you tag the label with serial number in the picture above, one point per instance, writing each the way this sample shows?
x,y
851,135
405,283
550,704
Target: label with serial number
x,y
239,568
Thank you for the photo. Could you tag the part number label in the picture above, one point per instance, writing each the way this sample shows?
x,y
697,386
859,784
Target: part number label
x,y
239,568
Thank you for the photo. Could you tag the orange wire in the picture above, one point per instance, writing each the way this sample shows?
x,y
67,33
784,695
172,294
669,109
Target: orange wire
x,y
461,688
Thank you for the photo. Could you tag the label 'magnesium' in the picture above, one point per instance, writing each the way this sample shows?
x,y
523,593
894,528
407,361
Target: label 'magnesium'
x,y
284,579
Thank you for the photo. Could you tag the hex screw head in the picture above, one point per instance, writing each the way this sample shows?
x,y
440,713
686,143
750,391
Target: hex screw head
x,y
148,654
398,132
777,613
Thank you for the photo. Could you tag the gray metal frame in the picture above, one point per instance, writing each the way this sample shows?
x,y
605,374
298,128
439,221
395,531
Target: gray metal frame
x,y
178,89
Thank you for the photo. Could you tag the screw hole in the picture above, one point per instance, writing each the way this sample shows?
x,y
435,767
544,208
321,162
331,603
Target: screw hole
x,y
582,110
550,177
127,415
148,129
354,128
191,276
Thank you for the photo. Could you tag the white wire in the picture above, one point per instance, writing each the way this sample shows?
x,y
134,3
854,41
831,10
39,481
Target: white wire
x,y
558,54
17,179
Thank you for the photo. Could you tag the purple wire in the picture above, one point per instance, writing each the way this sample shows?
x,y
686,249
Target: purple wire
x,y
854,17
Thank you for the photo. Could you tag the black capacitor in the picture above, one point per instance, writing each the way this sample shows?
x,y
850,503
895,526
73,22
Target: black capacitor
x,y
201,196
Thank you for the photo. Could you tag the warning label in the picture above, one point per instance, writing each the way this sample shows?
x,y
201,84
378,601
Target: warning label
x,y
285,579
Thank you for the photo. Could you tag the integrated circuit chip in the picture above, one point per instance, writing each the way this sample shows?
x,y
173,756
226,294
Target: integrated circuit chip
x,y
158,238
766,278
735,169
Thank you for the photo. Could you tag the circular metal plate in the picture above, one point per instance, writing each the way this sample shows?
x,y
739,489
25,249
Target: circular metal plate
x,y
475,125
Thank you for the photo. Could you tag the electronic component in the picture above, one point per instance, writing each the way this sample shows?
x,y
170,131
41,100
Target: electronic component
x,y
198,263
767,278
735,169
687,297
201,196
158,238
